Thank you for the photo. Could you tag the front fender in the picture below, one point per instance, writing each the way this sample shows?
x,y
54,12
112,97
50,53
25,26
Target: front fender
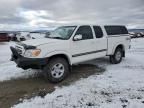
x,y
59,52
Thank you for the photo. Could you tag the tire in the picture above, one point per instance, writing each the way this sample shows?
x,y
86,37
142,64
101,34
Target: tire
x,y
56,70
117,57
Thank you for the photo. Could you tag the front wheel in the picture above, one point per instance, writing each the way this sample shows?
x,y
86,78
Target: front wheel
x,y
117,57
56,70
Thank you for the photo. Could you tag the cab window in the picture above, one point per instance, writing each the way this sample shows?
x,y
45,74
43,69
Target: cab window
x,y
85,31
98,31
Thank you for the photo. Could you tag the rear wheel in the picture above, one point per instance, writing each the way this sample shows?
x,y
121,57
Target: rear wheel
x,y
56,70
117,57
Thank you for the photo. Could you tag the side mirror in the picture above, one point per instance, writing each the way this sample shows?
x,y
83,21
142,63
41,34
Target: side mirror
x,y
77,37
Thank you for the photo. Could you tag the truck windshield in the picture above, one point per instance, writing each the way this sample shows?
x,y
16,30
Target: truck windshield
x,y
63,32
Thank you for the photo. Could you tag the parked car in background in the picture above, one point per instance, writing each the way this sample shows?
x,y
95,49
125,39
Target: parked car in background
x,y
136,33
37,35
4,37
69,45
133,35
139,34
13,36
22,36
142,33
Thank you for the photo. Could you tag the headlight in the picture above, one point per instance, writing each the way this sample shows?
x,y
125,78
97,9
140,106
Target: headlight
x,y
32,53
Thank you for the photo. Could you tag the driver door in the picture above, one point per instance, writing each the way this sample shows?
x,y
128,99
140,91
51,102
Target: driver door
x,y
82,50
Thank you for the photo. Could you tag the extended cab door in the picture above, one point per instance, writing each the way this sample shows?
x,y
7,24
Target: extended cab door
x,y
100,42
83,49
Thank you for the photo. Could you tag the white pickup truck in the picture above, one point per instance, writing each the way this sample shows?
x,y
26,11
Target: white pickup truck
x,y
68,45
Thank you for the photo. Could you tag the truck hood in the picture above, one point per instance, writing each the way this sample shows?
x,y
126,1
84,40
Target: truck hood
x,y
38,42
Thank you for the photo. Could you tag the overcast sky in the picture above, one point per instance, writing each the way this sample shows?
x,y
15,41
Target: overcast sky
x,y
27,14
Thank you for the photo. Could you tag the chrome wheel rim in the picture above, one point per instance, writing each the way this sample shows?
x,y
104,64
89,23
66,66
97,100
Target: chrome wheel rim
x,y
118,56
57,70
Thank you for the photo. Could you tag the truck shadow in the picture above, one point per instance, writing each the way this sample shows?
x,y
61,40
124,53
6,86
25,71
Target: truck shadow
x,y
12,91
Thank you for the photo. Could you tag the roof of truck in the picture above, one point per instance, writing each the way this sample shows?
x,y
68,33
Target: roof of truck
x,y
91,25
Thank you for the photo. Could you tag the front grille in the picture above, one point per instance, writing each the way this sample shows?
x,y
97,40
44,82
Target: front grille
x,y
19,49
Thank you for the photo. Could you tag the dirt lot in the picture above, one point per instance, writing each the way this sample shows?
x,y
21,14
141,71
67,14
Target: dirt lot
x,y
14,91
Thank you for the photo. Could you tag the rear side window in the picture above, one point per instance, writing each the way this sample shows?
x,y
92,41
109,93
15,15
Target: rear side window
x,y
98,31
116,30
85,31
